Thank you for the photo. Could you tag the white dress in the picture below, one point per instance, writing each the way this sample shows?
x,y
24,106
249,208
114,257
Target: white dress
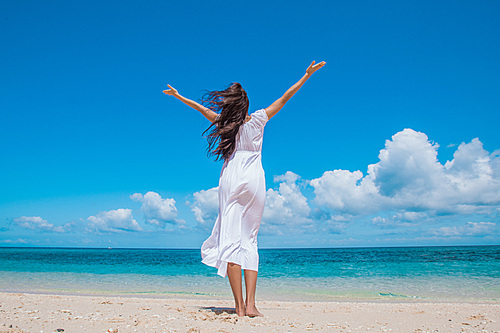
x,y
242,195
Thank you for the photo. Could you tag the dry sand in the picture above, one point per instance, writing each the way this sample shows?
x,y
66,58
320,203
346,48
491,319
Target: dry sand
x,y
61,313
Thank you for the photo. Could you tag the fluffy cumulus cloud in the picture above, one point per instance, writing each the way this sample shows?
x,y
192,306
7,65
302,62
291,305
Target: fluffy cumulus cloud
x,y
286,207
407,187
157,211
409,179
206,206
38,223
346,192
474,175
408,166
118,220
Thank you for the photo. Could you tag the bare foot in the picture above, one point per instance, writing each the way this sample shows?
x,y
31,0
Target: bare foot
x,y
252,311
240,311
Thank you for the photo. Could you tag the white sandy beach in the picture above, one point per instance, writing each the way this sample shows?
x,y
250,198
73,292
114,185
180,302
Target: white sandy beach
x,y
62,313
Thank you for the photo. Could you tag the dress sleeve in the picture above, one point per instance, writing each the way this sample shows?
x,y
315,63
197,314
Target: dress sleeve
x,y
260,117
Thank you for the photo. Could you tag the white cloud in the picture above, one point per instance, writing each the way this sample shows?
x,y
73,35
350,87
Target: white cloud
x,y
495,163
157,211
400,219
407,187
472,175
469,229
408,166
14,241
206,206
38,223
409,179
117,220
410,216
286,208
346,192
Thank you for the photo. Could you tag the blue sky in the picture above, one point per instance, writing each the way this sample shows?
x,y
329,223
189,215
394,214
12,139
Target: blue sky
x,y
394,142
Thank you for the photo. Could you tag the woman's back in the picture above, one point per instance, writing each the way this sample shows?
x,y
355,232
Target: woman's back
x,y
242,195
250,135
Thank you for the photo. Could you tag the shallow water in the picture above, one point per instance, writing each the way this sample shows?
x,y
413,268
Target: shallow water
x,y
465,273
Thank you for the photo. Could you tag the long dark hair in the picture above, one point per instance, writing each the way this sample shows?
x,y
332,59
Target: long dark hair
x,y
232,106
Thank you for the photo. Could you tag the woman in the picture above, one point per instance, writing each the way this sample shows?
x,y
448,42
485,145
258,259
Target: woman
x,y
236,137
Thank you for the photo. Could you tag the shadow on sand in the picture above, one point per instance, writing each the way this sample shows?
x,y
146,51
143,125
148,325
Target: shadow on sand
x,y
219,310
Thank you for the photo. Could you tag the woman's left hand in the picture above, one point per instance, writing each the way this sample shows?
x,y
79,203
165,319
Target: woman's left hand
x,y
313,68
172,91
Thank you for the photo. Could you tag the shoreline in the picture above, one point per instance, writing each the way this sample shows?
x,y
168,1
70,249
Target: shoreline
x,y
35,312
218,297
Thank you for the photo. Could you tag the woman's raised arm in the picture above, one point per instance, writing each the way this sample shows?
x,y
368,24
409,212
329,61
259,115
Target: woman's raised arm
x,y
280,102
206,112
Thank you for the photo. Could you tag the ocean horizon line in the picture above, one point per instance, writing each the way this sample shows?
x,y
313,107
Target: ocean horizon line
x,y
261,248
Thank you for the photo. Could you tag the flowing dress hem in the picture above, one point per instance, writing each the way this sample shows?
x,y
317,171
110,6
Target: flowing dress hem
x,y
221,265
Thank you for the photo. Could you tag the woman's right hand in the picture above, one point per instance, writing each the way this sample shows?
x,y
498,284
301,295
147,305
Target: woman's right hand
x,y
172,91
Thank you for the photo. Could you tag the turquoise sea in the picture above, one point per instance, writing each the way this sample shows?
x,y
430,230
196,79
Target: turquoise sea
x,y
462,273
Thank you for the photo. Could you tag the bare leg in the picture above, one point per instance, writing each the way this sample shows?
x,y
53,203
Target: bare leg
x,y
234,274
251,286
